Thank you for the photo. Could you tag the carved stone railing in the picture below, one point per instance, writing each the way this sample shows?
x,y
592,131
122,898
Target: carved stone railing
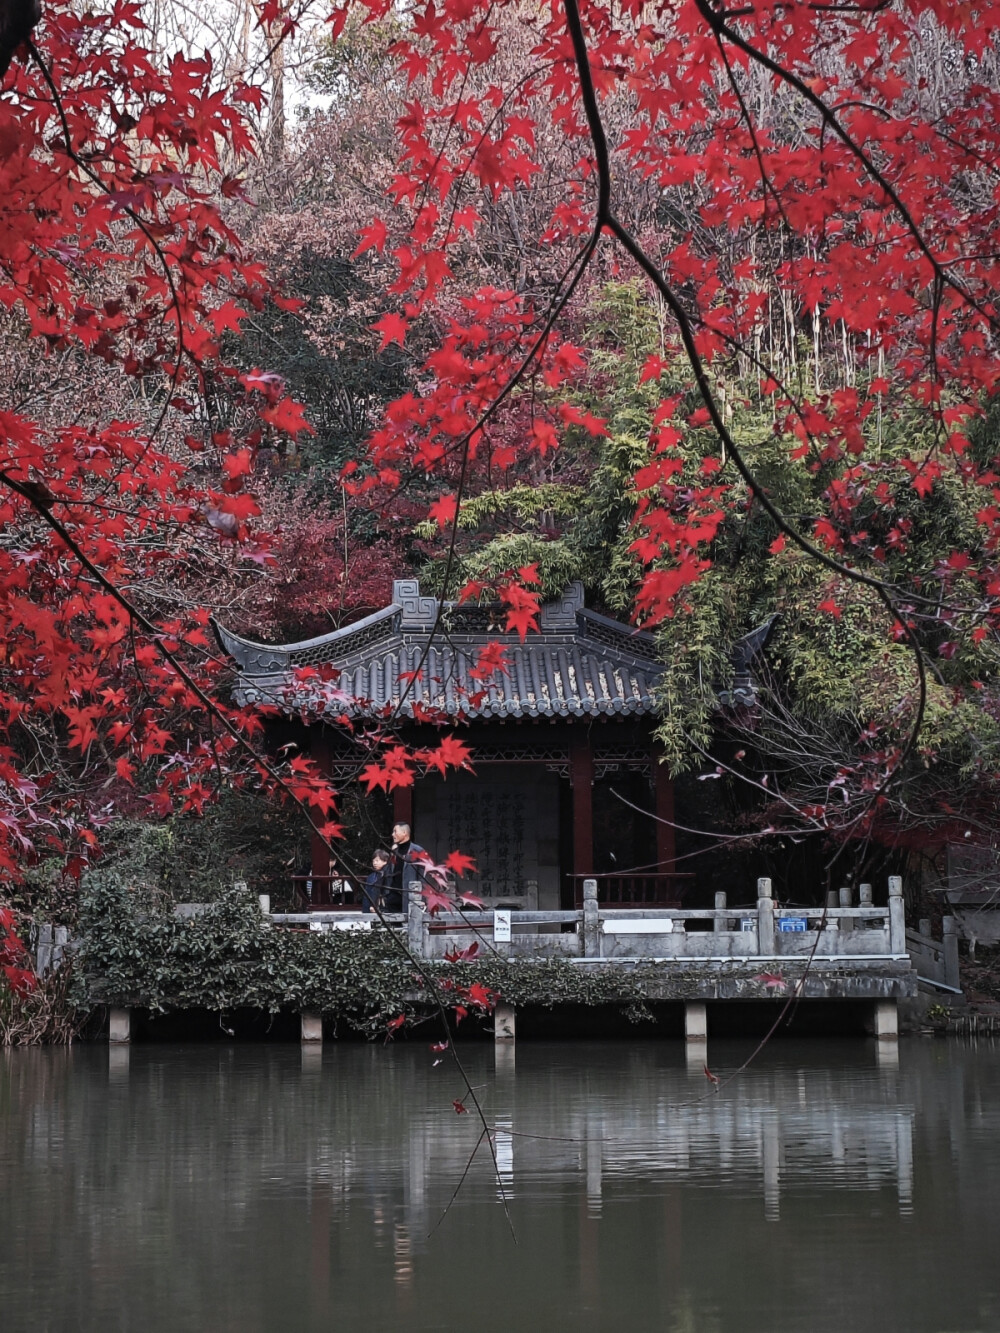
x,y
936,961
762,931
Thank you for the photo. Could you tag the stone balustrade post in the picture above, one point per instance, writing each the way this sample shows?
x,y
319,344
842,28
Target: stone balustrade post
x,y
832,900
897,916
43,950
415,927
265,903
591,920
846,900
924,927
719,923
866,898
765,917
950,941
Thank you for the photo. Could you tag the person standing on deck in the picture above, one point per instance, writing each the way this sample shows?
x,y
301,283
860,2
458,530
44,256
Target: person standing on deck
x,y
406,868
373,893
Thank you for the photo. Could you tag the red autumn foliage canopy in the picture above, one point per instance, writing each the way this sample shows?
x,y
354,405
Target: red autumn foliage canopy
x,y
834,168
120,271
862,198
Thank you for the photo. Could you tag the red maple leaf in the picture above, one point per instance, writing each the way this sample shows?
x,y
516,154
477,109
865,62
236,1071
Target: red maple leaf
x,y
435,900
480,996
465,955
372,237
771,980
287,416
459,864
393,328
523,608
449,752
443,511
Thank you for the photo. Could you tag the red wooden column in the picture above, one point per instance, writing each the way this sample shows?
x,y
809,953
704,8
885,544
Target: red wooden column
x,y
663,809
581,777
319,746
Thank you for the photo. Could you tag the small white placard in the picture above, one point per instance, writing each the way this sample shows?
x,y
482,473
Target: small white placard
x,y
640,925
501,926
324,927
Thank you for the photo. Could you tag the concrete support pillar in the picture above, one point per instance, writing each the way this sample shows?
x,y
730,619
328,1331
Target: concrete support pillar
x,y
119,1026
719,924
765,917
591,920
695,1021
897,916
886,1020
312,1026
504,1022
949,938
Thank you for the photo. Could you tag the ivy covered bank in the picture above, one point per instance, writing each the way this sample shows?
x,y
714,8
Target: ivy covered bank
x,y
138,954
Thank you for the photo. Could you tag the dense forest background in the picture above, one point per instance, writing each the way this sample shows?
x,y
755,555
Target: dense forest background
x,y
315,205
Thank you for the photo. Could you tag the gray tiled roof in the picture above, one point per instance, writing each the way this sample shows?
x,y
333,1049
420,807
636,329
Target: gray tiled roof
x,y
579,664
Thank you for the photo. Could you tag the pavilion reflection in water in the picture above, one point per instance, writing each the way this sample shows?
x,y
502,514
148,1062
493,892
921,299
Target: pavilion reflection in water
x,y
785,1131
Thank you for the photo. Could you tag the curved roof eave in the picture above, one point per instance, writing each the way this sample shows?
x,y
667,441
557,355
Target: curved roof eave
x,y
241,650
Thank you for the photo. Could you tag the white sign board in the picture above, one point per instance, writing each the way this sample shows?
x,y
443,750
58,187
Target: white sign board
x,y
501,927
639,925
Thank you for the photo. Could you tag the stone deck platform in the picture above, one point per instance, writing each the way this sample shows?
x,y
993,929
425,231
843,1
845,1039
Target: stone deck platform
x,y
696,956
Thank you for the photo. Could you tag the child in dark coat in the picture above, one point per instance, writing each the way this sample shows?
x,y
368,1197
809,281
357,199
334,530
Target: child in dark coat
x,y
372,893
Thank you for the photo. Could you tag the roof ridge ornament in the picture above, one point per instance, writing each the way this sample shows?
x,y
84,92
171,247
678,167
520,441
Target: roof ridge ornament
x,y
562,614
421,612
417,612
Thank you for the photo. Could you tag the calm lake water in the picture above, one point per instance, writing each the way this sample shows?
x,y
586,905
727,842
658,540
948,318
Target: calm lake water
x,y
245,1187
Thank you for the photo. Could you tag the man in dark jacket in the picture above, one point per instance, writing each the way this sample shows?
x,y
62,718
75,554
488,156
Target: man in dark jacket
x,y
405,872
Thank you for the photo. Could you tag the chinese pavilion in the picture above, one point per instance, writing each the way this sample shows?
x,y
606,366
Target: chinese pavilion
x,y
568,781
